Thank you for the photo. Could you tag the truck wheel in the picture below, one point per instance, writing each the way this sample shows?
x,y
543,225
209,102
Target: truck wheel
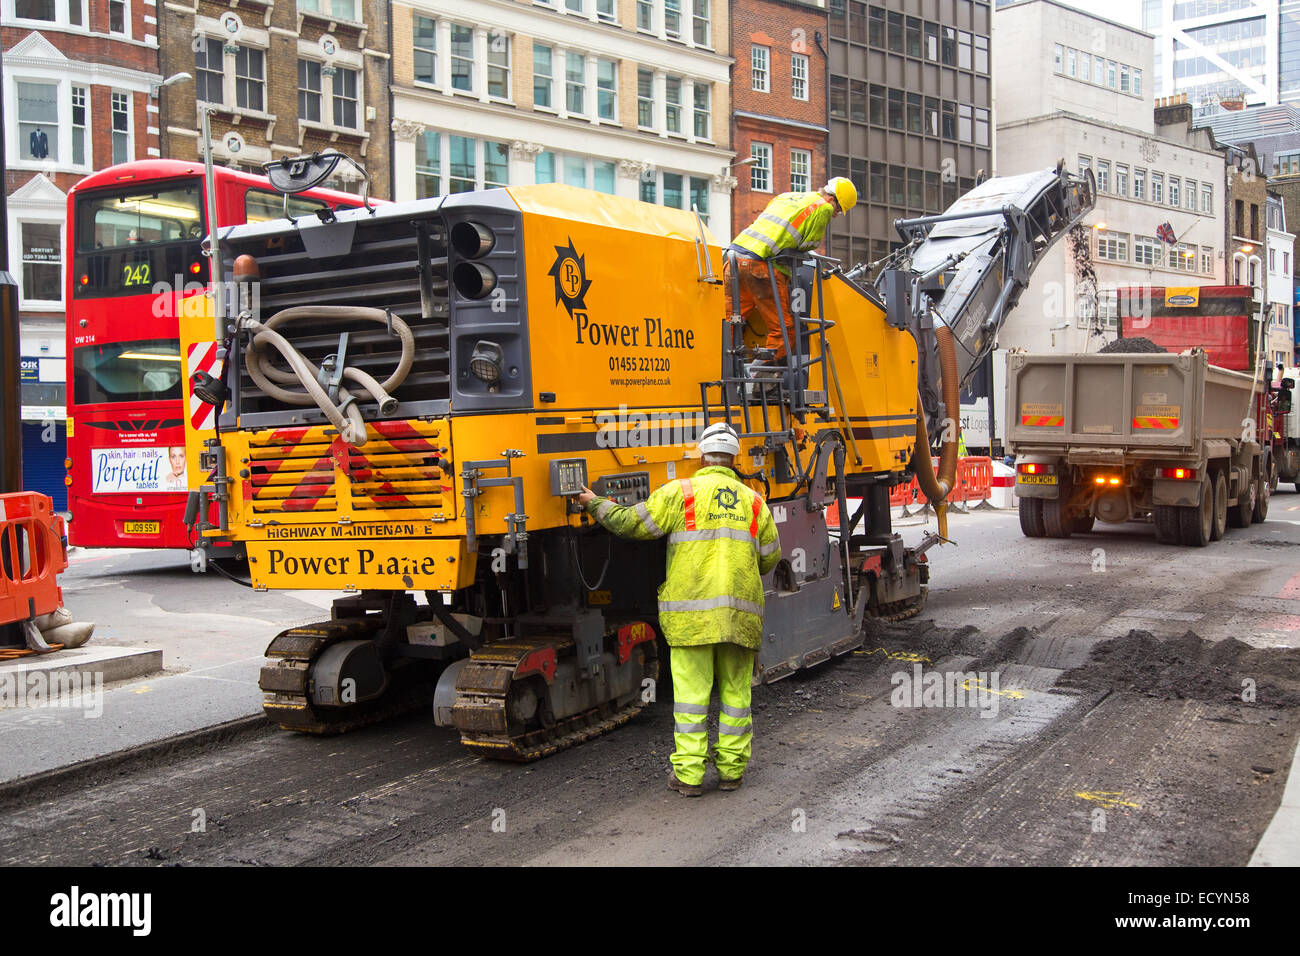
x,y
1220,507
1031,517
1262,493
1197,521
1056,521
1242,513
1165,518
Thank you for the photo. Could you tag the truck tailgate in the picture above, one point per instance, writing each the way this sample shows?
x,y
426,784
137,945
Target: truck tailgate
x,y
1123,400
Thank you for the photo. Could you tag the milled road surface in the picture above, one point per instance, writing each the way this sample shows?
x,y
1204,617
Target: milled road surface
x,y
1115,737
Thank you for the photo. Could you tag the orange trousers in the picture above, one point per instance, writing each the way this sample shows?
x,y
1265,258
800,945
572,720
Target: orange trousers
x,y
757,307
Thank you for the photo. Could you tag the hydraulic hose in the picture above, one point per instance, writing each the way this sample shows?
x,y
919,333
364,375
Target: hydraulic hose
x,y
936,487
346,415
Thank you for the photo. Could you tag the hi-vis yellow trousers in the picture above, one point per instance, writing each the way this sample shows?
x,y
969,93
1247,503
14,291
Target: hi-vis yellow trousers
x,y
694,670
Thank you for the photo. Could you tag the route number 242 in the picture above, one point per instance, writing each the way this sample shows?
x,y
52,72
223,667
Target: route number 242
x,y
135,275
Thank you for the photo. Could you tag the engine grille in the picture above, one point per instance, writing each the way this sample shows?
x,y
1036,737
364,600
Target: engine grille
x,y
379,270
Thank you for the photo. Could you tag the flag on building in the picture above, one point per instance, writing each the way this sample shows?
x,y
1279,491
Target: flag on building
x,y
1165,233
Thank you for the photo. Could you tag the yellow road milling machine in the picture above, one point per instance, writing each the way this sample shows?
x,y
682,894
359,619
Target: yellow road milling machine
x,y
412,394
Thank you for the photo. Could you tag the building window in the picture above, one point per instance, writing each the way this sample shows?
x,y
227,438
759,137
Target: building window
x,y
948,47
120,104
645,99
1157,187
1103,176
645,10
250,75
700,23
1121,180
462,58
1058,57
1286,164
209,71
1272,260
760,171
309,91
1137,82
428,164
80,99
1123,78
426,51
605,11
1139,184
1070,62
931,41
38,120
551,167
1085,164
1182,257
338,9
462,170
1110,74
1112,246
1207,259
800,170
575,83
117,17
42,256
758,63
498,67
1207,197
982,55
964,125
949,119
1174,184
606,89
1099,71
345,98
673,103
1085,67
963,49
1147,251
673,19
703,108
543,76
799,76
981,127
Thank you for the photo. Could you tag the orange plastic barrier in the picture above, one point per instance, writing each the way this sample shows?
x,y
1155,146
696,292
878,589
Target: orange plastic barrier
x,y
31,556
974,483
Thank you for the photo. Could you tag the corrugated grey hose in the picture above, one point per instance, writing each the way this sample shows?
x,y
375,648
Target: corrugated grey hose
x,y
345,416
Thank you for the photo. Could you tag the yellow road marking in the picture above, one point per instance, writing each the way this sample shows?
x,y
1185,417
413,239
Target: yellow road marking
x,y
1107,798
142,689
1013,694
895,655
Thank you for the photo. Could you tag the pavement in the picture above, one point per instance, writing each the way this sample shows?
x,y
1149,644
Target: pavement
x,y
199,640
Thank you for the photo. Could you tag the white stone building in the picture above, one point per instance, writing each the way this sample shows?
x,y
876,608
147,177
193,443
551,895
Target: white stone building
x,y
1279,292
1092,106
626,97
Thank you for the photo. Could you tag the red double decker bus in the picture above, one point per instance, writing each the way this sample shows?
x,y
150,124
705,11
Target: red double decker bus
x,y
136,232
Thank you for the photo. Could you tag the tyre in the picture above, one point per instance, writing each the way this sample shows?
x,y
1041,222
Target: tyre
x,y
1195,522
1165,519
1242,513
1083,524
1220,507
1056,520
1263,492
1031,517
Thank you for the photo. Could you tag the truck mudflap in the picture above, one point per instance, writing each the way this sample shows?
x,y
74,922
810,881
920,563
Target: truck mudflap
x,y
1172,491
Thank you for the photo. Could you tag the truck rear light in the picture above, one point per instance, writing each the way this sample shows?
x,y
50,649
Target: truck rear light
x,y
1035,468
1179,474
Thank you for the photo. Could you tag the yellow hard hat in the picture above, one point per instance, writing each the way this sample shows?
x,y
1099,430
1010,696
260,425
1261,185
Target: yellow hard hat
x,y
846,194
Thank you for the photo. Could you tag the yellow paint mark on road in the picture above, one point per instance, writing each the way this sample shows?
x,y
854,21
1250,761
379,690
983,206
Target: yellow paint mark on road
x,y
979,684
142,689
895,655
1107,798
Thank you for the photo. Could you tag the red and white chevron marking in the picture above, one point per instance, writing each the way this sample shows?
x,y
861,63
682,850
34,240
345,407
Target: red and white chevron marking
x,y
203,358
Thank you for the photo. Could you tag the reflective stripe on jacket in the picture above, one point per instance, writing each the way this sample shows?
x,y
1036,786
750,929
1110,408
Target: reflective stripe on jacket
x,y
790,221
721,539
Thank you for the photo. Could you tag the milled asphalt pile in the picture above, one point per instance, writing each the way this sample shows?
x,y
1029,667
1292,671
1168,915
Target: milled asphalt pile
x,y
1136,344
1189,667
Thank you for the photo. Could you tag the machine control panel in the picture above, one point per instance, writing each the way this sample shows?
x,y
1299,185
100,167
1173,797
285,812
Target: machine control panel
x,y
625,489
568,475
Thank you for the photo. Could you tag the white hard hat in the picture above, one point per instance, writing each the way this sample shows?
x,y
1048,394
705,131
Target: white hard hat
x,y
720,439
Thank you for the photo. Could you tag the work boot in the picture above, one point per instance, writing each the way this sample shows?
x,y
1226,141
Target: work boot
x,y
733,784
685,789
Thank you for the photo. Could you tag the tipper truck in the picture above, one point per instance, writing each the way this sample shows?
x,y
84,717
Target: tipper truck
x,y
1125,436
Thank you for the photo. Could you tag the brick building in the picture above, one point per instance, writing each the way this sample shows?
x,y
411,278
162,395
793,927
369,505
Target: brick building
x,y
283,78
628,97
78,78
910,100
778,101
